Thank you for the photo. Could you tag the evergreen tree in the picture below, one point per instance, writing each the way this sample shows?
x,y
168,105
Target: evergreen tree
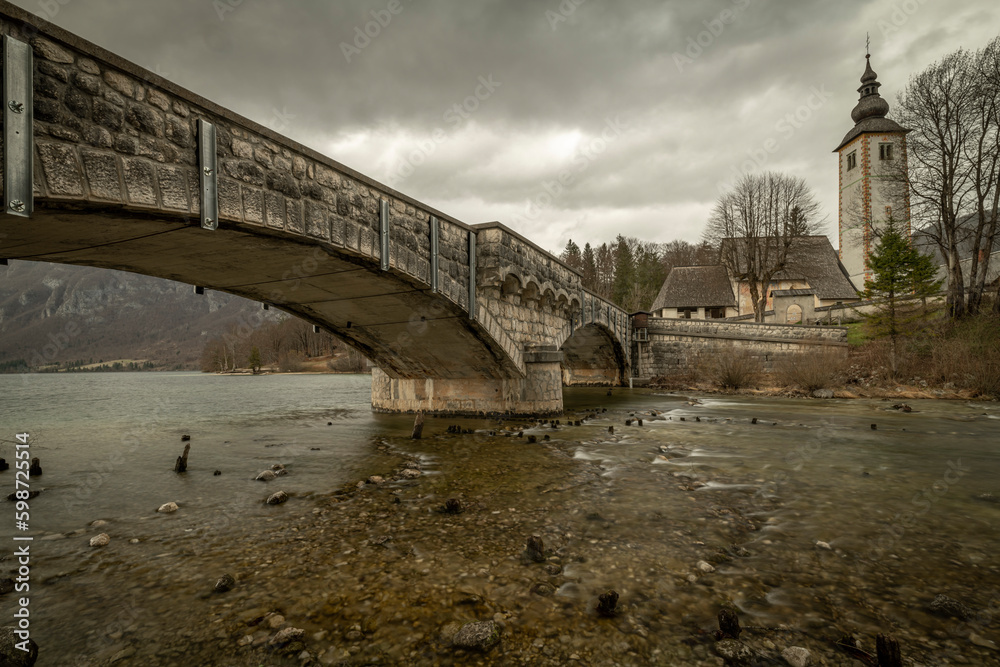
x,y
901,274
254,360
571,255
589,268
623,286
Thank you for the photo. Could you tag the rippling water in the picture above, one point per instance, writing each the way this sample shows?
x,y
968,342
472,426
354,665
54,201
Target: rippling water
x,y
809,523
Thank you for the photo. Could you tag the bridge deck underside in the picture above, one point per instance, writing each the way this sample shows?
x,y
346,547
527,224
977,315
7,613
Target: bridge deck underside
x,y
402,326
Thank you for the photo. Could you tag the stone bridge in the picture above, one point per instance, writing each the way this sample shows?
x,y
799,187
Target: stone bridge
x,y
106,164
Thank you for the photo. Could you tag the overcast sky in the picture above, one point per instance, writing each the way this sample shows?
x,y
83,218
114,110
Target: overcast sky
x,y
644,109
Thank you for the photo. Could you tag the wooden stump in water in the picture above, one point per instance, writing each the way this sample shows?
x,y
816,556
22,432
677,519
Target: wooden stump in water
x,y
729,624
607,603
182,461
887,650
418,426
535,550
36,468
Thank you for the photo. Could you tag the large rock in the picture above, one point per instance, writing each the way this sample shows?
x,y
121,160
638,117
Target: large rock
x,y
946,606
796,656
10,654
823,393
167,507
225,583
736,652
277,498
477,636
265,476
101,540
286,636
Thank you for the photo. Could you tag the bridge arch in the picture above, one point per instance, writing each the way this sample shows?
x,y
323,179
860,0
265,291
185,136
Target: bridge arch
x,y
593,356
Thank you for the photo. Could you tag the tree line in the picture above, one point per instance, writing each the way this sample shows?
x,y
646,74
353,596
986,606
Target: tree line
x,y
629,272
284,342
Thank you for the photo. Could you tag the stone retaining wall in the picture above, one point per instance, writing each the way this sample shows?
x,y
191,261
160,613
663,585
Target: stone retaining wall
x,y
678,347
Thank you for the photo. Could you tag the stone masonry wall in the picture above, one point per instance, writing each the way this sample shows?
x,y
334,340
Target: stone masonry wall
x,y
110,133
678,347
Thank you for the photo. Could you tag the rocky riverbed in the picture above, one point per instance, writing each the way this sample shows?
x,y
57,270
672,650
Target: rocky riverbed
x,y
479,548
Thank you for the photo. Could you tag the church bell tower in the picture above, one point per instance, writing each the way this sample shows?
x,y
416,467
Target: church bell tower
x,y
873,186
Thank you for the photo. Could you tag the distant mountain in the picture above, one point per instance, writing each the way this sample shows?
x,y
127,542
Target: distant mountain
x,y
56,312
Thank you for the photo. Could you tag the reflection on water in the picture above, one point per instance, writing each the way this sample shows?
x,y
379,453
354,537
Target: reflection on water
x,y
809,523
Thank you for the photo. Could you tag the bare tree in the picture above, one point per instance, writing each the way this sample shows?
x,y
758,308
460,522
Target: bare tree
x,y
937,106
755,225
984,155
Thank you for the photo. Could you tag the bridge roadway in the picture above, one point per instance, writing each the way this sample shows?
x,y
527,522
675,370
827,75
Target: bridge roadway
x,y
107,164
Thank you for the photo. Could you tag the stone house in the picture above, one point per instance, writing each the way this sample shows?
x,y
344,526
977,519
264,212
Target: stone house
x,y
812,264
696,292
812,277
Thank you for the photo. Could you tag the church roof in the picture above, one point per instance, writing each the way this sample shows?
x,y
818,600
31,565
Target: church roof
x,y
695,286
813,260
869,115
871,125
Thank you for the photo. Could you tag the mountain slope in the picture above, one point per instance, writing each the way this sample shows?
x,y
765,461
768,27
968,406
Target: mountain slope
x,y
55,312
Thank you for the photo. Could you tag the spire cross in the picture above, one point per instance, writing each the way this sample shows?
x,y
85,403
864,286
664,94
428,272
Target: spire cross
x,y
868,44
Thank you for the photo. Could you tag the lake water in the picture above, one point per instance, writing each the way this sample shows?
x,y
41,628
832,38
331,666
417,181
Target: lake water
x,y
808,523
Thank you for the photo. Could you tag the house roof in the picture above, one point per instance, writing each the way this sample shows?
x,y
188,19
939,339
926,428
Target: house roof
x,y
813,259
695,286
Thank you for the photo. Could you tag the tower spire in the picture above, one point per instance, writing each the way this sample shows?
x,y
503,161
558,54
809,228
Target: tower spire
x,y
870,103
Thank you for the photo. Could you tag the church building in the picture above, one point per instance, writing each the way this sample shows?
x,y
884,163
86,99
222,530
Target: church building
x,y
873,190
873,186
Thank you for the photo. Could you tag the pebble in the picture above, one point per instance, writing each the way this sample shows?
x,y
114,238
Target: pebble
x,y
101,540
98,523
824,545
705,567
410,473
168,507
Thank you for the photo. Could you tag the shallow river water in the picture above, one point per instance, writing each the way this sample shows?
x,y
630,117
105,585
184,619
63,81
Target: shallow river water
x,y
799,515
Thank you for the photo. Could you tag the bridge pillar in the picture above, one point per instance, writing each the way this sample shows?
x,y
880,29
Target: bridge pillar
x,y
538,393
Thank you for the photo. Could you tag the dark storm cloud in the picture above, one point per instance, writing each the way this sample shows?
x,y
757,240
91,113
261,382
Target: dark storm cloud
x,y
706,89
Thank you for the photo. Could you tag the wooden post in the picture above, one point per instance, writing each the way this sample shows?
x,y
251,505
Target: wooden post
x,y
887,649
182,461
418,426
729,624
